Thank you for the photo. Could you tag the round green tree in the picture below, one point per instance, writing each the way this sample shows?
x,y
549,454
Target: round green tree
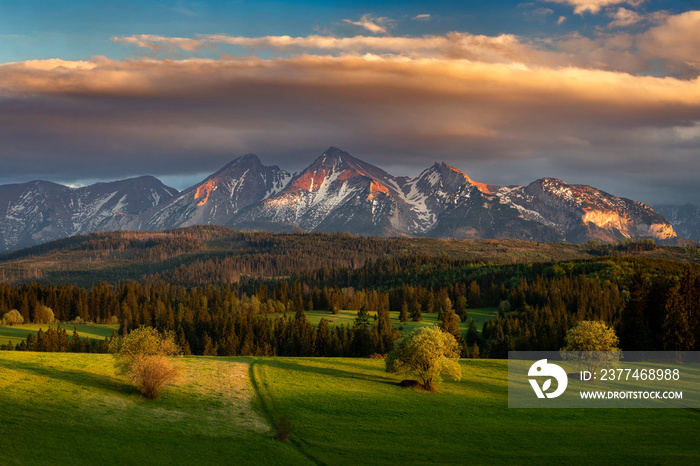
x,y
592,343
427,352
12,318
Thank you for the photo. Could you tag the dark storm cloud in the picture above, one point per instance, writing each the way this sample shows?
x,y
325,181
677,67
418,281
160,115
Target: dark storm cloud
x,y
501,122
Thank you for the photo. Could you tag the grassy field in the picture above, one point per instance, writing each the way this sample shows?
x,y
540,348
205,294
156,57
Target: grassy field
x,y
343,411
60,408
467,422
347,317
17,333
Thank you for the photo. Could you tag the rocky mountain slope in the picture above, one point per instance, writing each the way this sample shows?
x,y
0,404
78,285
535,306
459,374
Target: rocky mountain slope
x,y
41,211
337,192
684,218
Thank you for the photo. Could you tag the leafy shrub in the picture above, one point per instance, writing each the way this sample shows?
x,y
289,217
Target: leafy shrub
x,y
12,318
283,429
142,355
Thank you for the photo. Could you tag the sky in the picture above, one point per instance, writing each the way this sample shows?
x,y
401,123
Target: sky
x,y
597,92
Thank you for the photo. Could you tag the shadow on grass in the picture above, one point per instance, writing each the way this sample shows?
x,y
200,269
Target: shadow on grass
x,y
82,378
332,372
13,333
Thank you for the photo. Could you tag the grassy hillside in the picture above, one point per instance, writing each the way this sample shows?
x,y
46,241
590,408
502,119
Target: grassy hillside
x,y
376,422
71,409
68,408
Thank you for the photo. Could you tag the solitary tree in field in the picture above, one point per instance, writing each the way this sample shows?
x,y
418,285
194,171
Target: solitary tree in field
x,y
592,343
427,352
142,355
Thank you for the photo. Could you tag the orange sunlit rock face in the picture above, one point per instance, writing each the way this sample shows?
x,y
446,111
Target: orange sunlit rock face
x,y
375,189
204,191
483,187
606,219
309,181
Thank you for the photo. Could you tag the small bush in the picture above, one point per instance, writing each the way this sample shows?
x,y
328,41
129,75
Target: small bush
x,y
142,356
283,429
151,373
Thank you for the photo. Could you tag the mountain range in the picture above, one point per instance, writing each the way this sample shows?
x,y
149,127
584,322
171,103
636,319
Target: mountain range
x,y
336,193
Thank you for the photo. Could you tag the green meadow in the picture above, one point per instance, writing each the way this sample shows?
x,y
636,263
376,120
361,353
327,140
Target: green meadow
x,y
347,317
17,333
60,408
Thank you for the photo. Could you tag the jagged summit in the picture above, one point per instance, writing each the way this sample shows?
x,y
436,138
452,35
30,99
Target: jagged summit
x,y
336,192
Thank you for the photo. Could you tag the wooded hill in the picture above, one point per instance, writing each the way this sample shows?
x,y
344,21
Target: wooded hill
x,y
201,255
222,292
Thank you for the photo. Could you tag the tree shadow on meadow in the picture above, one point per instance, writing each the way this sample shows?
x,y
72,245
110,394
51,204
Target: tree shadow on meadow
x,y
282,363
72,376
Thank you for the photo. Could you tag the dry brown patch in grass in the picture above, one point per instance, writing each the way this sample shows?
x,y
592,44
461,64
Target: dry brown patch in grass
x,y
228,381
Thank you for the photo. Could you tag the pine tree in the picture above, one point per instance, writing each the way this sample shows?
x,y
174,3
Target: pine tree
x,y
475,351
75,341
209,346
386,335
450,324
677,328
461,308
416,314
323,339
300,315
403,315
183,343
472,333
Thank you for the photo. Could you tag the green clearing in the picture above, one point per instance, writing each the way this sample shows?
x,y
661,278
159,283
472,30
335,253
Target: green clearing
x,y
59,408
17,333
347,317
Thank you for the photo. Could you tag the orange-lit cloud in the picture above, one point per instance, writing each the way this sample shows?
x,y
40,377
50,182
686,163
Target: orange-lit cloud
x,y
373,25
669,40
501,108
624,17
594,6
676,40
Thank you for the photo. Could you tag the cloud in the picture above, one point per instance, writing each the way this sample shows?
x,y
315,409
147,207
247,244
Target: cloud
x,y
594,6
159,44
561,20
373,25
624,17
111,118
668,45
455,45
538,14
423,17
503,108
675,41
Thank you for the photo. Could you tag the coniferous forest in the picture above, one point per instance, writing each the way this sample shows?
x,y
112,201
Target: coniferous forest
x,y
227,299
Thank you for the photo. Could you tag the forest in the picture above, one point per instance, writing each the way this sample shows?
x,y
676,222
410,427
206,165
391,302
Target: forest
x,y
652,303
